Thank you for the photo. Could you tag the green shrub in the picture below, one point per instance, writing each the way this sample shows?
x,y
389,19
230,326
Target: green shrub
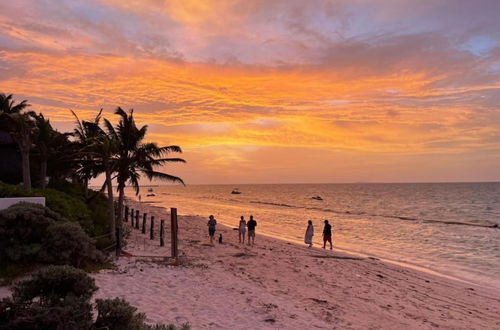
x,y
67,244
69,207
56,297
22,229
73,315
96,202
118,314
54,285
31,233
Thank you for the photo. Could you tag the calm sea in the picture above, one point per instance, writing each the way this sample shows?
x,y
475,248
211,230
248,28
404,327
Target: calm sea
x,y
445,227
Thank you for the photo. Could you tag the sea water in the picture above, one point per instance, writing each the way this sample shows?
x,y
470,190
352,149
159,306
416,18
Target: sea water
x,y
449,228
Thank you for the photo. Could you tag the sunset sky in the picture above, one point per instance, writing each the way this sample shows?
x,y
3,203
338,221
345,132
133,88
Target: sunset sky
x,y
260,91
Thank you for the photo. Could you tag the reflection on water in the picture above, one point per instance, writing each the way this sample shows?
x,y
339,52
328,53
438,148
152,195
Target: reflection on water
x,y
447,227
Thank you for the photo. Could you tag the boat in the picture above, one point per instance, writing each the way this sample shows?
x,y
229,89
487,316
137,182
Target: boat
x,y
318,198
235,191
150,190
150,195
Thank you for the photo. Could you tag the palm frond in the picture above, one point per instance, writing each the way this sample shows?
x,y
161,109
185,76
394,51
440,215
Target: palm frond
x,y
163,176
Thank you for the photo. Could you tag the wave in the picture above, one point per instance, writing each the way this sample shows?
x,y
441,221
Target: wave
x,y
275,204
485,224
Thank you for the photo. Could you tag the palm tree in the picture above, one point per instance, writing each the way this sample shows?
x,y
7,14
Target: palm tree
x,y
103,150
86,132
8,106
136,158
47,140
20,126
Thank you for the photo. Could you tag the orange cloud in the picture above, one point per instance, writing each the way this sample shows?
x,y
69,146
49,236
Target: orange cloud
x,y
211,105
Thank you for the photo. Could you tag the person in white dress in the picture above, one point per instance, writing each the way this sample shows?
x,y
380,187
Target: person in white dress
x,y
309,233
242,229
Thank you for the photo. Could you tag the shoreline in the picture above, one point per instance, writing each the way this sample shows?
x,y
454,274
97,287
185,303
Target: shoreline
x,y
282,285
405,264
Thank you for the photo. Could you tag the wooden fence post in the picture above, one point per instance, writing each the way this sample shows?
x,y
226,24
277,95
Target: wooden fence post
x,y
132,218
118,241
162,232
173,218
144,216
126,214
137,219
152,228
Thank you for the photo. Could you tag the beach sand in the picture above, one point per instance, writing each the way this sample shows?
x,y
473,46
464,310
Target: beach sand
x,y
281,285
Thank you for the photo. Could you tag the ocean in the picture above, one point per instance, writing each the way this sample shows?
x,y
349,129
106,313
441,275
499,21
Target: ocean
x,y
449,228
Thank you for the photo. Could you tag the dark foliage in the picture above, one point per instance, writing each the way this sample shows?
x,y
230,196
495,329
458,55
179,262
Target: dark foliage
x,y
58,297
118,314
55,284
22,228
67,206
67,244
96,203
34,234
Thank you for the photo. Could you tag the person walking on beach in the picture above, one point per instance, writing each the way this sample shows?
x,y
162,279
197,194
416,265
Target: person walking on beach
x,y
251,224
242,229
309,233
327,235
212,223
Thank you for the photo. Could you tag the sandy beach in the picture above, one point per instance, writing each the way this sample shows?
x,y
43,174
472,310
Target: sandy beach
x,y
280,285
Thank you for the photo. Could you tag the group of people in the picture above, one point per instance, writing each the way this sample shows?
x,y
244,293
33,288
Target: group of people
x,y
327,234
251,224
242,229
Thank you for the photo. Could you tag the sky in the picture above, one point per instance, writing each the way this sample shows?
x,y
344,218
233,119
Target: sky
x,y
282,91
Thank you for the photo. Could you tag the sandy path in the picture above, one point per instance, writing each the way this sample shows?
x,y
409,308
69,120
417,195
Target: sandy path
x,y
279,285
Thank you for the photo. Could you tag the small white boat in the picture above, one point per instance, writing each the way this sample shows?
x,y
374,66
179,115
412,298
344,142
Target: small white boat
x,y
235,191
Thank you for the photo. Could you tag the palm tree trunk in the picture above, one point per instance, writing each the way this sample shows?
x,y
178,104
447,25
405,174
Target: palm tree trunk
x,y
25,156
121,199
86,186
43,173
111,208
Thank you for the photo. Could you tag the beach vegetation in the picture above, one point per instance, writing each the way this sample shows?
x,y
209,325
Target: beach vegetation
x,y
67,244
59,297
20,125
68,206
94,147
31,234
136,157
56,297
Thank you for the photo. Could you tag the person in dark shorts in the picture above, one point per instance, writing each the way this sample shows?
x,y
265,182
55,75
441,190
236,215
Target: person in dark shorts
x,y
212,223
327,235
251,224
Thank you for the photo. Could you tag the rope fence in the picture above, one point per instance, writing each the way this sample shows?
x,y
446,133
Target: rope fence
x,y
137,231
